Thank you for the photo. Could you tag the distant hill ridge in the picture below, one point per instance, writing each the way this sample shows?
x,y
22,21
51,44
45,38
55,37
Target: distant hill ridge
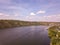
x,y
18,23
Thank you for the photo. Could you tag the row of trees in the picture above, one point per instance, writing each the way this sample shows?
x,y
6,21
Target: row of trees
x,y
15,23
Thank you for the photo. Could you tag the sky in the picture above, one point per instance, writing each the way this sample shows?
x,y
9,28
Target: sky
x,y
30,10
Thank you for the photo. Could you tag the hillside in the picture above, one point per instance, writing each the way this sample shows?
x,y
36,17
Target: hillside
x,y
17,23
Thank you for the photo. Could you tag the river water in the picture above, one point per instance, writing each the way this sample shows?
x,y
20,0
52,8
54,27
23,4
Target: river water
x,y
30,35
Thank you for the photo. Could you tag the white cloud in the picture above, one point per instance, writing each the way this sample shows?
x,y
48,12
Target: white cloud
x,y
52,18
3,14
32,13
6,16
49,18
41,12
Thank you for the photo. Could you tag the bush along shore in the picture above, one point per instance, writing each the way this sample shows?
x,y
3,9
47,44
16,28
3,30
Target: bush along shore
x,y
15,23
54,35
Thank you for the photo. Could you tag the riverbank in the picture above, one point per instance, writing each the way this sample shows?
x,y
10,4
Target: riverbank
x,y
54,35
17,23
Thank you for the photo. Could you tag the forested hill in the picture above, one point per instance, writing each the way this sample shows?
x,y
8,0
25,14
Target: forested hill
x,y
18,23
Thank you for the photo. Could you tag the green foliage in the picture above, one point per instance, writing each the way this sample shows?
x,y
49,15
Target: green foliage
x,y
54,35
15,23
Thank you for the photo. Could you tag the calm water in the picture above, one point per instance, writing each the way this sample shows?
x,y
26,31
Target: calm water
x,y
31,35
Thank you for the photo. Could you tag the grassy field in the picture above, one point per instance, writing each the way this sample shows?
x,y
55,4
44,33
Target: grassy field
x,y
54,35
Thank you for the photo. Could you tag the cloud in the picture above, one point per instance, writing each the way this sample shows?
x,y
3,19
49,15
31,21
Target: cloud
x,y
14,15
47,18
41,12
51,18
6,16
3,14
32,13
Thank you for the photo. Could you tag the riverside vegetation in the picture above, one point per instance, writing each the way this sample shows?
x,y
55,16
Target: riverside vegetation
x,y
15,23
54,35
18,23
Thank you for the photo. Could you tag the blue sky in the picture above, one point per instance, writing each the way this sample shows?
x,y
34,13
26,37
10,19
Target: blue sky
x,y
30,10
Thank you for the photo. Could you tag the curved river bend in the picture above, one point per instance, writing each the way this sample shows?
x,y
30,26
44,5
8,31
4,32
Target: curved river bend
x,y
31,35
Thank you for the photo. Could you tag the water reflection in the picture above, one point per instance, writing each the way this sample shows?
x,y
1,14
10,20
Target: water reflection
x,y
31,35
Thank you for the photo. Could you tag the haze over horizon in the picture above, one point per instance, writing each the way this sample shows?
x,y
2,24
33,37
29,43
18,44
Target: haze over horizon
x,y
30,10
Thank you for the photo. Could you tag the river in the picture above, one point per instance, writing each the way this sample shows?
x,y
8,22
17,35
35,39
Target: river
x,y
29,35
